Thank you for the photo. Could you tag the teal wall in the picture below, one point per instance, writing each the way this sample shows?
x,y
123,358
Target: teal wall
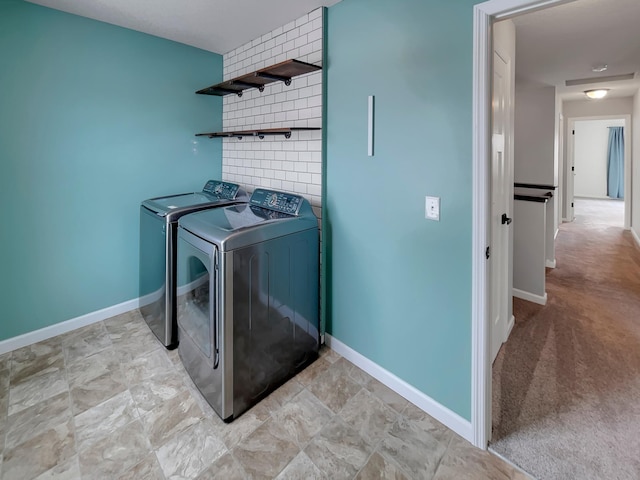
x,y
93,119
399,286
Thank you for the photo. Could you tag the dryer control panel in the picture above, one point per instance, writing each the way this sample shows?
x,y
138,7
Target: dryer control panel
x,y
277,201
221,189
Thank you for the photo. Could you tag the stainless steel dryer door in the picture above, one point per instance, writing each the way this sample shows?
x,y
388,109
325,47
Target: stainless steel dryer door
x,y
198,318
196,294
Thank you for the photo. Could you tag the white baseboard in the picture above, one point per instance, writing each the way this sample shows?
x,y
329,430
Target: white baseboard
x,y
512,322
438,411
635,236
550,263
531,297
36,336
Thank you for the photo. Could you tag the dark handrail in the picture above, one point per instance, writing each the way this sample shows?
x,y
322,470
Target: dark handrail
x,y
531,198
535,185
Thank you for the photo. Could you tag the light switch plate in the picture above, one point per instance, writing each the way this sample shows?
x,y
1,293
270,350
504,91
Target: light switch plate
x,y
432,208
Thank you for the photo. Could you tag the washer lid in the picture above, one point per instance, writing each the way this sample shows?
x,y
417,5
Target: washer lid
x,y
214,193
167,204
240,225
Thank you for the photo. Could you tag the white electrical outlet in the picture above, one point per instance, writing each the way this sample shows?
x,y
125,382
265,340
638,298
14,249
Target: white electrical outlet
x,y
432,208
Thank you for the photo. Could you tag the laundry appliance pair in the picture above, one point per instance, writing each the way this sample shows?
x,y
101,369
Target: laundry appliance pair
x,y
246,296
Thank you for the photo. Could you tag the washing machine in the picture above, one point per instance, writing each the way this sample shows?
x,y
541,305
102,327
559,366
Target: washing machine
x,y
158,234
248,297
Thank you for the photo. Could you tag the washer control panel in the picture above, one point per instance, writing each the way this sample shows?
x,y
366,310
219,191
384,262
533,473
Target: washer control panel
x,y
277,201
221,189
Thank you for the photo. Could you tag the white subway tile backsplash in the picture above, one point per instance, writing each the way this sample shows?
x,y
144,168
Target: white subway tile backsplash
x,y
317,13
300,188
293,164
314,145
306,91
293,34
300,145
314,101
277,50
314,190
315,58
280,39
304,177
305,27
305,113
302,20
305,50
292,176
287,166
288,186
288,45
300,41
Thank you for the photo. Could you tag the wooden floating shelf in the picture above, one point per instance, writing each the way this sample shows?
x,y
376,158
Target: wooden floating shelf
x,y
257,133
280,72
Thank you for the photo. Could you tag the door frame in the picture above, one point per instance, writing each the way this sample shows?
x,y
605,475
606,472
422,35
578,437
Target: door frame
x,y
483,16
570,159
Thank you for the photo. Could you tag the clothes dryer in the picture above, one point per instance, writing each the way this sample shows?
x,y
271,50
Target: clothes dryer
x,y
248,297
158,234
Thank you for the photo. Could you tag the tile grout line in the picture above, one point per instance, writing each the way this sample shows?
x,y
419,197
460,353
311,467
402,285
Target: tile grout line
x,y
73,417
6,415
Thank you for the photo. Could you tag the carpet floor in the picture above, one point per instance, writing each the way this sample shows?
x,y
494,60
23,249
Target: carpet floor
x,y
566,385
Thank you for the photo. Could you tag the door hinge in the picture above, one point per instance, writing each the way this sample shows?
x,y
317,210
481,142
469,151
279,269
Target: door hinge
x,y
573,132
487,252
573,169
571,204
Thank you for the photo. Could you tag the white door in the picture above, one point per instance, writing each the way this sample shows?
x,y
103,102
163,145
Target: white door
x,y
499,253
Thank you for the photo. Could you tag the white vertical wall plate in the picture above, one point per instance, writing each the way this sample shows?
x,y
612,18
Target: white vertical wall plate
x,y
370,126
432,208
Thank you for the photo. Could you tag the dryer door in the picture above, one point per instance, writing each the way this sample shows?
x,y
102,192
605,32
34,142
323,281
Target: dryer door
x,y
196,294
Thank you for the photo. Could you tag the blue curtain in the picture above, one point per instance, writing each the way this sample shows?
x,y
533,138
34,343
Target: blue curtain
x,y
615,163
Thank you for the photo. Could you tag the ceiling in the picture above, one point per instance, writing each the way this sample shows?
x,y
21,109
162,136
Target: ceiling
x,y
565,42
215,25
553,45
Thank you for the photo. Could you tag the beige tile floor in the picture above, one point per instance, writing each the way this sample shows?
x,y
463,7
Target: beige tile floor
x,y
109,402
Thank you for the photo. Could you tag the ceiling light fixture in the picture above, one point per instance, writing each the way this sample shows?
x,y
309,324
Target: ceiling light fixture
x,y
600,68
596,94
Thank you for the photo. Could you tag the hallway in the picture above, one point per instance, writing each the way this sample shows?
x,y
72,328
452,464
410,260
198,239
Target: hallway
x,y
566,384
599,211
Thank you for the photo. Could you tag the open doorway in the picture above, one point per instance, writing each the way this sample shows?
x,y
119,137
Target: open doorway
x,y
484,14
572,345
598,170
